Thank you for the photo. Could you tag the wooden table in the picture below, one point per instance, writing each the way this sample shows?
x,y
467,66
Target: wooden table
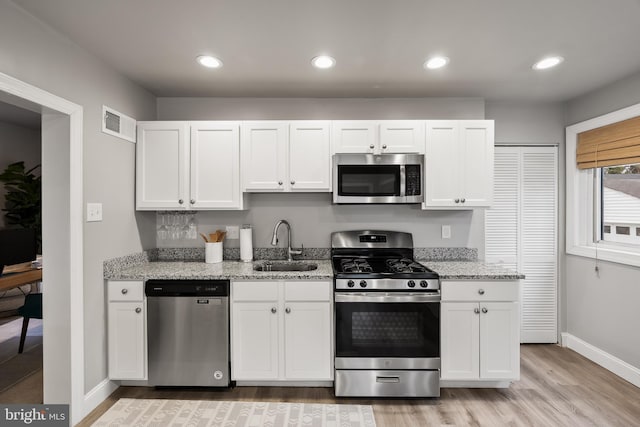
x,y
13,279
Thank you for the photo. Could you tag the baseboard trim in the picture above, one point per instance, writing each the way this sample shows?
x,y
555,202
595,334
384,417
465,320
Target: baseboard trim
x,y
98,394
617,366
474,384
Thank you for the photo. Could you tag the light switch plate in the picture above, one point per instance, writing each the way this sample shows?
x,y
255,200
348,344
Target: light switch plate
x,y
446,231
94,212
233,232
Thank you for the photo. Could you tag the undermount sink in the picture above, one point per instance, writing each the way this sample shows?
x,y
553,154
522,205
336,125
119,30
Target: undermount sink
x,y
285,266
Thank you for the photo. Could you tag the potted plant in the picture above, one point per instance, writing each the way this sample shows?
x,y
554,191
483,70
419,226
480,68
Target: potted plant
x,y
23,198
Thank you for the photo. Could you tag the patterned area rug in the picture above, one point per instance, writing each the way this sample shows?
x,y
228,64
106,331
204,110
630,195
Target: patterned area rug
x,y
163,412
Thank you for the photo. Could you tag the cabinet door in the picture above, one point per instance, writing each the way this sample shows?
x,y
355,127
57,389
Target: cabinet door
x,y
264,155
127,341
162,165
499,341
254,341
476,163
307,341
355,136
309,156
215,165
442,164
460,343
402,136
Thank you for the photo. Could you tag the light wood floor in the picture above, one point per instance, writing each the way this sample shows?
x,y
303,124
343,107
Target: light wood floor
x,y
558,387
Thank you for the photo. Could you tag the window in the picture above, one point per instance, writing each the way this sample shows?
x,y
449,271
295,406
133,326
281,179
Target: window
x,y
620,203
597,225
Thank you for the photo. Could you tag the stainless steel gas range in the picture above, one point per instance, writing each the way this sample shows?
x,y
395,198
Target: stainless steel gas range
x,y
387,317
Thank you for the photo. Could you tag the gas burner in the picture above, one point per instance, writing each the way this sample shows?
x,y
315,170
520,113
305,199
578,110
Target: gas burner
x,y
355,265
404,265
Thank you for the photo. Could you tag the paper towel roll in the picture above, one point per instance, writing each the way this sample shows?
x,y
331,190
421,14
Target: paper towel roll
x,y
246,244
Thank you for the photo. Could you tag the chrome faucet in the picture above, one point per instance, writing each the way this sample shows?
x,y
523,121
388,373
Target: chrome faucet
x,y
274,239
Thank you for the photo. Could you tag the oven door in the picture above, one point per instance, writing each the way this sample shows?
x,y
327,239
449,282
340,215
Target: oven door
x,y
387,331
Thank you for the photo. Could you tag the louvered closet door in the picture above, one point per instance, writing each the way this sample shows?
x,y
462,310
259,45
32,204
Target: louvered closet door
x,y
526,185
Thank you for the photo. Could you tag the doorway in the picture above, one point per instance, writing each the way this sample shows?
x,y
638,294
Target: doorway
x,y
63,346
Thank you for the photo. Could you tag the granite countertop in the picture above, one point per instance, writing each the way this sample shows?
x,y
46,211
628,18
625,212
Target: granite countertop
x,y
471,270
235,270
232,270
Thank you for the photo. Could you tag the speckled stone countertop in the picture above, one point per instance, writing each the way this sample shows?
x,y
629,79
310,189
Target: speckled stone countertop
x,y
232,270
471,270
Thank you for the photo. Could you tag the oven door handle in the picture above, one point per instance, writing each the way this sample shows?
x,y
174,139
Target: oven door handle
x,y
387,297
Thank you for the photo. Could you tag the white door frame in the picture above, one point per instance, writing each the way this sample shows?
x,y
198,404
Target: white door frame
x,y
63,305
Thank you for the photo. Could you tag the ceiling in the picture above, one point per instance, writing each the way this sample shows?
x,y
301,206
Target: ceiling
x,y
379,45
19,116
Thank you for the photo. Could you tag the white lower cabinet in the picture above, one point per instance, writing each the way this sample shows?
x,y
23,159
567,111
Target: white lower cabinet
x,y
127,337
480,331
281,331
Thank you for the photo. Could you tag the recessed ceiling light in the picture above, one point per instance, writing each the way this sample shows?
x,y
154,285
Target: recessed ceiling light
x,y
209,61
323,62
436,62
548,62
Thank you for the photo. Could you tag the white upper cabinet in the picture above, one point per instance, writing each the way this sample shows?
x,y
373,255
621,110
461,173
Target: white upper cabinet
x,y
309,156
162,165
215,165
264,155
378,137
459,164
188,165
286,156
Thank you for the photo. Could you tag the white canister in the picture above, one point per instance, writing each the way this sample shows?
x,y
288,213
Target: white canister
x,y
212,252
246,243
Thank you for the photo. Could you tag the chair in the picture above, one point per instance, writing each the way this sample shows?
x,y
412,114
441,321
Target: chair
x,y
32,309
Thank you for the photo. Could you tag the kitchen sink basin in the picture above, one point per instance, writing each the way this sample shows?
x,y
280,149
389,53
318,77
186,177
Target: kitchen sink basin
x,y
285,266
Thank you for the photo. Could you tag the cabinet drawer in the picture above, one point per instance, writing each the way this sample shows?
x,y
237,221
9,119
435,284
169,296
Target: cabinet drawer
x,y
307,291
254,291
478,290
126,291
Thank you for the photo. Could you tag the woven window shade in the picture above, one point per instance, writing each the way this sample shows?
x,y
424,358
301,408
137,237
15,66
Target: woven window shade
x,y
612,145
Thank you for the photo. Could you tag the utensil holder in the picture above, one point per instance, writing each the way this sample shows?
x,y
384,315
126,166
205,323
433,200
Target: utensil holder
x,y
213,252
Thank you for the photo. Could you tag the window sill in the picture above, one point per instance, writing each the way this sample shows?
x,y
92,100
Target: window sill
x,y
607,253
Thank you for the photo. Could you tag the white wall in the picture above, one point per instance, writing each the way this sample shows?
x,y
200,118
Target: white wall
x,y
17,143
36,54
602,309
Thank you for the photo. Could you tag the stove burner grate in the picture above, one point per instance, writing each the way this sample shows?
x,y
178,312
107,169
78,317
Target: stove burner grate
x,y
355,265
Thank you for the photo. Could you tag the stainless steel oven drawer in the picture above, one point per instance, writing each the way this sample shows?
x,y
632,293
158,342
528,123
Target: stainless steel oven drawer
x,y
364,383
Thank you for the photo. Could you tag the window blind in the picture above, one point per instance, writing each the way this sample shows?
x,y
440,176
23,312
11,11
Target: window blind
x,y
610,145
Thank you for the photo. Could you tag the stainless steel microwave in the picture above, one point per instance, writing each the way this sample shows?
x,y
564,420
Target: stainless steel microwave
x,y
384,178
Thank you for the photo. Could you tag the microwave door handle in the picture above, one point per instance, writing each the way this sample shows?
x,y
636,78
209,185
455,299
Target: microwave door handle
x,y
403,181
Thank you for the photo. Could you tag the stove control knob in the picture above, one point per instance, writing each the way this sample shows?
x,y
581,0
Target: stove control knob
x,y
423,284
350,284
363,283
411,284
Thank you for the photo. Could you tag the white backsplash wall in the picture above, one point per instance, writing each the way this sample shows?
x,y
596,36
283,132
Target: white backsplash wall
x,y
313,218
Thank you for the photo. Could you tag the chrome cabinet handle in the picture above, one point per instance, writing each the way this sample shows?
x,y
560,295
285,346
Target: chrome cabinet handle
x,y
287,310
274,310
279,182
181,201
138,309
384,146
481,291
124,291
476,310
457,200
484,309
193,202
371,146
293,182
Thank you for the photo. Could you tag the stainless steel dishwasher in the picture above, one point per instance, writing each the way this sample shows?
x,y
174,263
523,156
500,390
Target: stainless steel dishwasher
x,y
188,332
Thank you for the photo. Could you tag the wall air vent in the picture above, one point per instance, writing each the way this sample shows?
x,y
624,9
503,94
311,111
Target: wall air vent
x,y
117,124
